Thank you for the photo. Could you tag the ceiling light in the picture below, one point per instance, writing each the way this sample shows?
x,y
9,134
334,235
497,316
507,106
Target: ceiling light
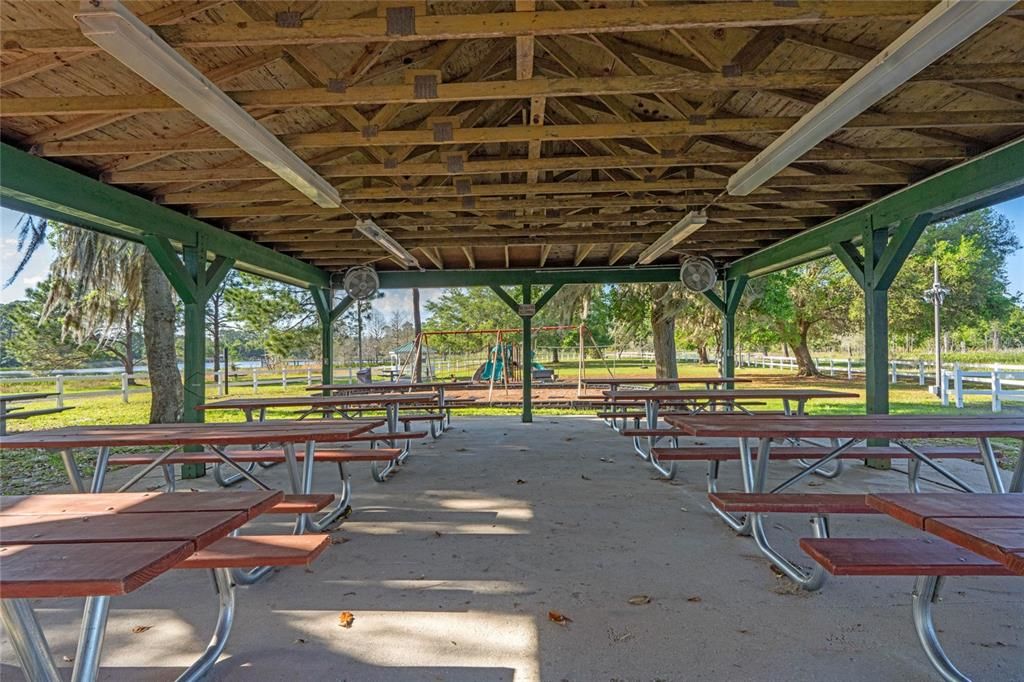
x,y
373,232
690,223
122,35
936,33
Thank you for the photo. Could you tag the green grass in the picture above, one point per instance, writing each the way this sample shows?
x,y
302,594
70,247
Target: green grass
x,y
33,470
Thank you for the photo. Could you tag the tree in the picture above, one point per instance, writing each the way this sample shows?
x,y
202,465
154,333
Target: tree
x,y
804,303
469,309
649,311
96,290
278,317
165,380
39,343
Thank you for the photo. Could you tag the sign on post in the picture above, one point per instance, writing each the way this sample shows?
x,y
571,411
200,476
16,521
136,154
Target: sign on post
x,y
527,310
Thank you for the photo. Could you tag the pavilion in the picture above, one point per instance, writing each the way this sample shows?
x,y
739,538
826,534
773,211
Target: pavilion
x,y
526,143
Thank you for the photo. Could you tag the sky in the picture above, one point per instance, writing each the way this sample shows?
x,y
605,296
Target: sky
x,y
400,301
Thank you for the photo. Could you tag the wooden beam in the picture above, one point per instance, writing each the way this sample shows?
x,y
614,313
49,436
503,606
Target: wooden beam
x,y
561,188
433,255
582,251
492,25
468,251
618,251
463,136
450,205
484,166
545,250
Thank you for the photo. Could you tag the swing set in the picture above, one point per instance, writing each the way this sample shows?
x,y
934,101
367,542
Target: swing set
x,y
503,365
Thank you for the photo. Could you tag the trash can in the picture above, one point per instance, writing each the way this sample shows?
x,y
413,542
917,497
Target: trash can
x,y
363,376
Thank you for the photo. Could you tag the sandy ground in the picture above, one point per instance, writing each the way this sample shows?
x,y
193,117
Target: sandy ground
x,y
452,567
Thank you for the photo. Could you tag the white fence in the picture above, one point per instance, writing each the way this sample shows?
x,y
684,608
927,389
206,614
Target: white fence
x,y
1000,383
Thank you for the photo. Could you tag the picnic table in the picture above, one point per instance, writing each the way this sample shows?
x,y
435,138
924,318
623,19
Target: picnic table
x,y
615,384
19,412
213,438
99,546
844,432
699,401
391,387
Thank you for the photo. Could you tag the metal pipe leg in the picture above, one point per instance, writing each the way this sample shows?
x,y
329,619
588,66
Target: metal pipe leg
x,y
225,618
738,525
988,456
1017,482
169,483
28,640
100,473
74,473
914,474
225,480
823,472
90,640
810,581
332,513
926,592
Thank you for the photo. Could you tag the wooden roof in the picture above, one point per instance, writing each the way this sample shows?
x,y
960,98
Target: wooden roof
x,y
477,146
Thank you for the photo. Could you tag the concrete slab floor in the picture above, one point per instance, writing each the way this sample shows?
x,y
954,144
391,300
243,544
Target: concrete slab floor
x,y
451,568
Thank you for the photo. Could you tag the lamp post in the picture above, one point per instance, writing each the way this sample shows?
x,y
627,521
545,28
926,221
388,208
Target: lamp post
x,y
936,295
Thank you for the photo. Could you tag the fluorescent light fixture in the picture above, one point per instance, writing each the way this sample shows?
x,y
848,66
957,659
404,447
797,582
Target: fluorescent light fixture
x,y
375,234
120,33
947,25
690,223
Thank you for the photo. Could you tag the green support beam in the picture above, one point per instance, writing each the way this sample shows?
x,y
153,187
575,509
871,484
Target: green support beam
x,y
40,187
988,179
527,336
407,279
527,357
195,281
728,304
328,313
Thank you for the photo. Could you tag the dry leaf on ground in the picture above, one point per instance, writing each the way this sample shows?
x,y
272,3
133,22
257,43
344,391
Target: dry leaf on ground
x,y
694,599
560,618
141,628
345,619
640,600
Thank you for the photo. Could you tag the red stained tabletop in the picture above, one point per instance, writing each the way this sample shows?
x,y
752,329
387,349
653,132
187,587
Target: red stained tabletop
x,y
731,394
251,503
245,433
319,401
850,426
663,381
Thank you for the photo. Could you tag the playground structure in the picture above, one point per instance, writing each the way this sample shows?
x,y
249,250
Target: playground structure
x,y
505,357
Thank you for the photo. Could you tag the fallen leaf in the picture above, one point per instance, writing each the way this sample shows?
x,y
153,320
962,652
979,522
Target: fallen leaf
x,y
141,628
815,484
777,571
640,600
568,439
585,477
520,481
67,659
560,618
437,533
300,641
345,619
335,540
694,599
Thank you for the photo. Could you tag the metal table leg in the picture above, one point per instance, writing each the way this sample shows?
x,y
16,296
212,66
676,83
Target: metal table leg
x,y
28,640
74,473
90,639
988,456
926,592
225,618
1017,482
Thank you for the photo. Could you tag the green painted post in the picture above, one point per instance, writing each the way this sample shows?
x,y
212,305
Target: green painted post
x,y
527,357
195,349
732,290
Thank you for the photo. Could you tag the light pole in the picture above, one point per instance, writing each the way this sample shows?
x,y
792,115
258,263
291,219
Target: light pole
x,y
936,295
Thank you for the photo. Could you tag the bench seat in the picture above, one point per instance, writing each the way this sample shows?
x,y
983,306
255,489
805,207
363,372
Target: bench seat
x,y
323,454
23,414
302,504
421,418
697,453
898,556
374,437
795,503
259,550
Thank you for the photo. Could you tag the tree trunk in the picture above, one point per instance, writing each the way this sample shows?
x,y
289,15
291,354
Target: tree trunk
x,y
215,330
663,327
804,361
417,328
554,354
158,333
702,354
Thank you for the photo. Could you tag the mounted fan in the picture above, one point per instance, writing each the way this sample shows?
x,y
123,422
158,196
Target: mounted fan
x,y
698,274
361,282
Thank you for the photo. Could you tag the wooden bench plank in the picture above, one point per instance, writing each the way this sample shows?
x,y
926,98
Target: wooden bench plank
x,y
796,503
259,550
324,453
990,537
86,569
200,527
302,504
398,435
914,508
22,413
897,556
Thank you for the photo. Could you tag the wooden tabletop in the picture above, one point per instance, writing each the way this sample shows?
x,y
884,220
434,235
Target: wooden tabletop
x,y
14,397
849,426
319,401
991,525
660,381
53,552
245,433
731,394
389,386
